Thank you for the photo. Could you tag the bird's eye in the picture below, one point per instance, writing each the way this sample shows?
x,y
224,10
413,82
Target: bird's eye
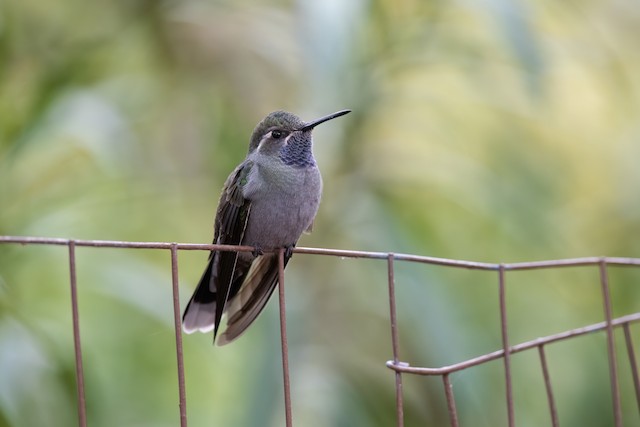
x,y
277,134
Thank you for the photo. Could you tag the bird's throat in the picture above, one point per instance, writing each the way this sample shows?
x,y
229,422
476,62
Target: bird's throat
x,y
297,152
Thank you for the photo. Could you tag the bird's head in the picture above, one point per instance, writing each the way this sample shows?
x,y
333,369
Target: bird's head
x,y
284,134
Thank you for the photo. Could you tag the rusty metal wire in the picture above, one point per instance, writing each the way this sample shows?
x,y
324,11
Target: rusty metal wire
x,y
82,410
283,339
399,367
177,323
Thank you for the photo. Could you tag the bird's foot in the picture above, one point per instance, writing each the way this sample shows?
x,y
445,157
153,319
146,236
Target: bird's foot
x,y
288,250
257,251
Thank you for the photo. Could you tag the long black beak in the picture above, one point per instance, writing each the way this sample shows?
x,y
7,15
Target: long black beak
x,y
316,122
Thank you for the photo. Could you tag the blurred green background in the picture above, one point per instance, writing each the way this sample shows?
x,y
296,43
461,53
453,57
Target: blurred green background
x,y
489,130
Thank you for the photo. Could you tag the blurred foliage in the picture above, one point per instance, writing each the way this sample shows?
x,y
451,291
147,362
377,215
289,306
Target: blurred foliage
x,y
492,130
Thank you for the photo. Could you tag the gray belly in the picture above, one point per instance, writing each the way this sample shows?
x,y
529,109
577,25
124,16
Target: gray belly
x,y
278,216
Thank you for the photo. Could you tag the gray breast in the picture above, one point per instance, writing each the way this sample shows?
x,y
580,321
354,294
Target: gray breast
x,y
284,207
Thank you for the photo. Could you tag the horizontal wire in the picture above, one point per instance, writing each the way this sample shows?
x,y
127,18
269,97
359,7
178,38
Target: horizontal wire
x,y
405,367
569,262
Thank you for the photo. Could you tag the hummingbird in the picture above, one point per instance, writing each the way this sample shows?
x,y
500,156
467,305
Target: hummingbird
x,y
267,202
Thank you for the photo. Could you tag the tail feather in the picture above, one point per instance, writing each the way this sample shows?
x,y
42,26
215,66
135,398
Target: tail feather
x,y
253,285
252,297
199,315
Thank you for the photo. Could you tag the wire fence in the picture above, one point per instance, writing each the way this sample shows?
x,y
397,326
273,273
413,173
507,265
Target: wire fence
x,y
399,367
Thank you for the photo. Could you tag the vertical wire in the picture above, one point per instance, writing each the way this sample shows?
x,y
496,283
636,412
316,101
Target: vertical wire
x,y
177,325
283,339
611,350
395,339
632,362
547,384
82,410
451,401
505,345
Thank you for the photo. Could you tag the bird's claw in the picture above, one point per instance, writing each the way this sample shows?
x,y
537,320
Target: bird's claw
x,y
257,251
288,250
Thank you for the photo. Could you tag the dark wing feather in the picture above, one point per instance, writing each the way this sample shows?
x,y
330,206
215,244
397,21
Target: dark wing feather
x,y
222,277
230,225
